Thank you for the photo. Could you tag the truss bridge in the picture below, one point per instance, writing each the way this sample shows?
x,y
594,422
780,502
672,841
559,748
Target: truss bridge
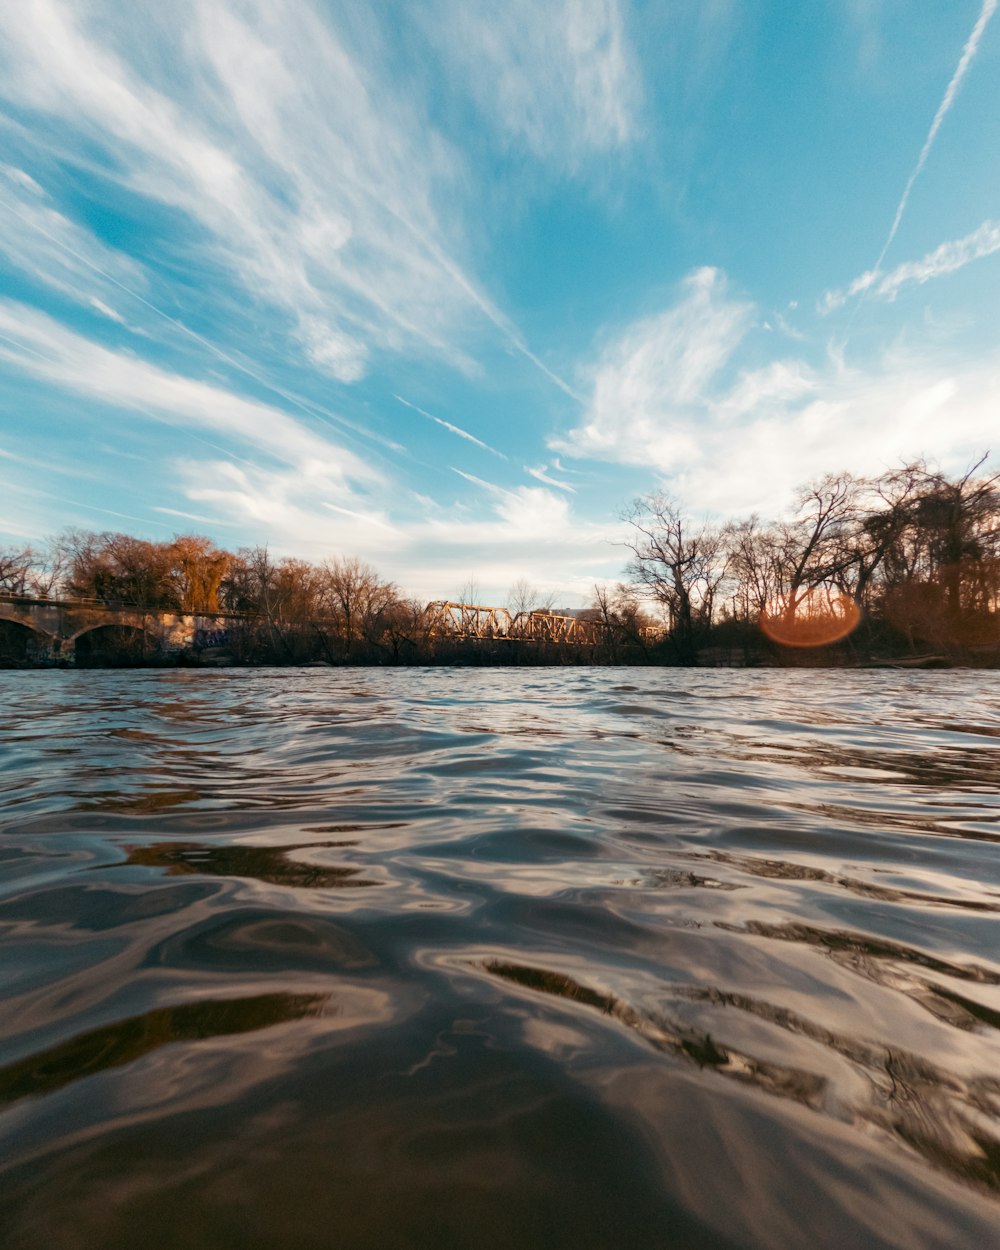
x,y
472,620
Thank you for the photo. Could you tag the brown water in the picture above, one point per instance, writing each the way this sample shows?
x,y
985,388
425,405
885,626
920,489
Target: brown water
x,y
358,958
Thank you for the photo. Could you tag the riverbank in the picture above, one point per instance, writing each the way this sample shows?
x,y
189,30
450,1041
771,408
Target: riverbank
x,y
507,660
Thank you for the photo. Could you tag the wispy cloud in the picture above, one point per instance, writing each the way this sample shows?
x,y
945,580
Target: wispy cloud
x,y
233,142
332,350
33,491
732,440
106,310
657,371
278,504
563,468
529,533
522,533
560,78
301,493
290,151
945,259
539,474
50,464
366,518
22,180
453,429
38,345
47,246
527,513
197,517
88,260
523,516
481,482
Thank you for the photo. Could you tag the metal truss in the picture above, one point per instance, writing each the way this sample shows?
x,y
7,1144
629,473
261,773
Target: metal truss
x,y
471,620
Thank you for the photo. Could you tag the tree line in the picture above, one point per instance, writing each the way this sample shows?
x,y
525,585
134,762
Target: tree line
x,y
279,610
908,561
340,610
904,563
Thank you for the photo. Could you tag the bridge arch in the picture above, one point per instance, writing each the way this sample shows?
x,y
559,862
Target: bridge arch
x,y
113,643
21,643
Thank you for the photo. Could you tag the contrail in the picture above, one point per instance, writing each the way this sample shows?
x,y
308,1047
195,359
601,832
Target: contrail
x,y
454,429
77,503
968,52
502,322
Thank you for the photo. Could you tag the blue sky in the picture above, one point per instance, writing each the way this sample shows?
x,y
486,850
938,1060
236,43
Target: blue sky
x,y
444,285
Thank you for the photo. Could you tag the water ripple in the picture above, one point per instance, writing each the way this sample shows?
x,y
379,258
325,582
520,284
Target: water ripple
x,y
561,957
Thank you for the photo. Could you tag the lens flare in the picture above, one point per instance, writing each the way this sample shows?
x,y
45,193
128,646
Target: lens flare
x,y
814,619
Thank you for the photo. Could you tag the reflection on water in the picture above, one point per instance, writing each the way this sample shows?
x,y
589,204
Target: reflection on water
x,y
266,863
127,1040
493,958
782,870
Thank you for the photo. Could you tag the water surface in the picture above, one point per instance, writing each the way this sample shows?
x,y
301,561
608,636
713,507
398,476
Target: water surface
x,y
494,958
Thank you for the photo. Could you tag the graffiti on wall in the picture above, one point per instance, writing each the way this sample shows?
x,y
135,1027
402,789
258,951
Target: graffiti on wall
x,y
204,638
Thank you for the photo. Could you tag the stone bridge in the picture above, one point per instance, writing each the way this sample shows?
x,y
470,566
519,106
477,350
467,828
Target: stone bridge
x,y
49,631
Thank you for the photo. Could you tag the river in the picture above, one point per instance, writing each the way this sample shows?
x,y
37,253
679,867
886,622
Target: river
x,y
499,958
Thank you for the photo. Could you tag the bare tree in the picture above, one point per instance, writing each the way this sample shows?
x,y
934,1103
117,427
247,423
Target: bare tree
x,y
884,513
17,566
960,518
753,565
358,599
815,546
470,592
680,565
523,599
259,585
405,627
623,622
50,571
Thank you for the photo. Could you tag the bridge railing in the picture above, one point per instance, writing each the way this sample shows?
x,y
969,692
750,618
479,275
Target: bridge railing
x,y
104,605
123,605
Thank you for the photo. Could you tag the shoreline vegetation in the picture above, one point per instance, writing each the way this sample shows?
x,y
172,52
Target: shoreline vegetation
x,y
902,570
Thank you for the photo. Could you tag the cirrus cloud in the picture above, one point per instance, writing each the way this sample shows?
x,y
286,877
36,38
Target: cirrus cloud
x,y
668,394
